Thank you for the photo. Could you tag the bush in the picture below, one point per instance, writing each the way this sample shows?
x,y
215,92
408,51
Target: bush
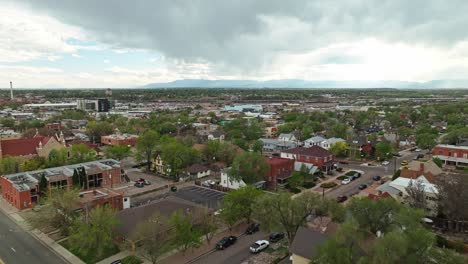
x,y
396,175
308,185
295,190
328,185
131,260
339,169
351,173
341,178
441,241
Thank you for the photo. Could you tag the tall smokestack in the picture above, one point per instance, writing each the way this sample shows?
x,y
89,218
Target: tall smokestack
x,y
11,90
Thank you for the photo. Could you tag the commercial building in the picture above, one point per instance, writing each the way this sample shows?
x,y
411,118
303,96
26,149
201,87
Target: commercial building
x,y
280,171
119,140
30,147
452,154
99,105
22,189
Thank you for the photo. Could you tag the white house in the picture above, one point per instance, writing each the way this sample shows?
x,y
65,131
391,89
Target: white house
x,y
230,183
196,171
327,143
289,137
313,141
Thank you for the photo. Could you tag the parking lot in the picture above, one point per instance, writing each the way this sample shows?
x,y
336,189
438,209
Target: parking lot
x,y
135,174
201,195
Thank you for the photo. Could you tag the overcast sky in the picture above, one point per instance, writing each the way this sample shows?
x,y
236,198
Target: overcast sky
x,y
122,43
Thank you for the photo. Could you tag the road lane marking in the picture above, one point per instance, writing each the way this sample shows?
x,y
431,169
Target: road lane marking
x,y
13,249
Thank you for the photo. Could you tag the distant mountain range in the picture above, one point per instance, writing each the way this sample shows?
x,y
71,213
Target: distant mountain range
x,y
294,83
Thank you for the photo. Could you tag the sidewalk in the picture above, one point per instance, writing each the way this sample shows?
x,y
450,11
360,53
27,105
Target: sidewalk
x,y
62,252
120,255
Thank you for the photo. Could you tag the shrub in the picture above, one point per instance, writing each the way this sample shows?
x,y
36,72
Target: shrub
x,y
295,190
308,185
396,175
351,173
328,185
341,178
131,260
339,169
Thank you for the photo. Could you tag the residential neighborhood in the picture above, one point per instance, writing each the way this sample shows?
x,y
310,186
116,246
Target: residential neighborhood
x,y
187,164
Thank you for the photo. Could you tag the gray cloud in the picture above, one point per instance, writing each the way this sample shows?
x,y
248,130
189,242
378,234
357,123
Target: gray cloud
x,y
242,33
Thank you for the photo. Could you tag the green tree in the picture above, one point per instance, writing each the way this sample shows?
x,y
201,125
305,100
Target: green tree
x,y
339,149
438,161
178,156
57,157
96,129
58,211
9,165
93,237
35,163
383,150
281,212
249,167
43,186
186,235
426,140
81,153
239,203
117,152
146,146
208,223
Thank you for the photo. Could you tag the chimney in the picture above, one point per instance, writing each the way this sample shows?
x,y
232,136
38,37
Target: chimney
x,y
11,90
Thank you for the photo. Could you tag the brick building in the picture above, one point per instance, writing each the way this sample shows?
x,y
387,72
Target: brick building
x,y
315,155
30,147
119,140
22,189
105,196
452,154
280,171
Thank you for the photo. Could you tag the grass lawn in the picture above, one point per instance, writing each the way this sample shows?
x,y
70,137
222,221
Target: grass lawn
x,y
91,258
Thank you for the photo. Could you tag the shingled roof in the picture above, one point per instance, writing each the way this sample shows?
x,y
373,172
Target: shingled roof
x,y
314,151
22,146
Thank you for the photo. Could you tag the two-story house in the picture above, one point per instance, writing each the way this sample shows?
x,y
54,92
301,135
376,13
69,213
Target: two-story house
x,y
315,155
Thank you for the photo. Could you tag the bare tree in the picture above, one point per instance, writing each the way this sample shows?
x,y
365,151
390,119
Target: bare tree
x,y
208,223
453,196
416,194
153,236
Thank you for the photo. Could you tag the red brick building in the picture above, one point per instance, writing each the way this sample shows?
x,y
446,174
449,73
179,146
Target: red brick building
x,y
280,170
452,155
315,155
101,197
22,189
119,140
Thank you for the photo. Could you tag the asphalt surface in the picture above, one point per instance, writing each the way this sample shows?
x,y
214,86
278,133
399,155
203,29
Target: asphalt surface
x,y
234,254
18,246
201,195
369,172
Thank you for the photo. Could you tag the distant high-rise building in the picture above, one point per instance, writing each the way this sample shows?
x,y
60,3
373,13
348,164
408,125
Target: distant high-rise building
x,y
103,105
108,92
99,105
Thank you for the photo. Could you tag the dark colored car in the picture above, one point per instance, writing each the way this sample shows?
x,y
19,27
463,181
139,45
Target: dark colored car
x,y
254,227
275,237
145,182
139,184
362,186
141,164
341,198
420,156
376,178
226,242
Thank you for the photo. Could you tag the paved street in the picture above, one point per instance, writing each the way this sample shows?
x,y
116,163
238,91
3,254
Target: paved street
x,y
236,253
369,172
17,246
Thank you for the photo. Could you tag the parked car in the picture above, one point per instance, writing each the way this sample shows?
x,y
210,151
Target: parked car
x,y
356,175
397,154
254,227
208,183
420,156
145,182
376,178
404,163
385,162
226,242
341,198
362,186
275,237
259,246
139,184
418,150
346,181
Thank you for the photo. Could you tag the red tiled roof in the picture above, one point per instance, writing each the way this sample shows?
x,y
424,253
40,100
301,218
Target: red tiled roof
x,y
314,151
22,146
379,196
277,160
